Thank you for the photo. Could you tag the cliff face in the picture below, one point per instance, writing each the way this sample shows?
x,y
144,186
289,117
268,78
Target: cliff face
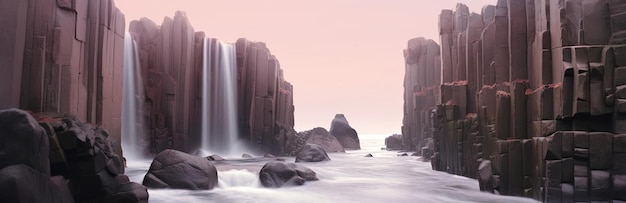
x,y
63,56
534,89
171,58
265,102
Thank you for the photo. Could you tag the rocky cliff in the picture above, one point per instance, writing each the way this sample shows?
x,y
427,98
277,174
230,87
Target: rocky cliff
x,y
171,58
265,102
63,56
533,90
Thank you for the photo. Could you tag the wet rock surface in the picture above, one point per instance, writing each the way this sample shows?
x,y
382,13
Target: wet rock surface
x,y
277,174
178,170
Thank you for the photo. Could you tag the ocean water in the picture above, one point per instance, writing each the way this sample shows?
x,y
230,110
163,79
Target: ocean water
x,y
348,177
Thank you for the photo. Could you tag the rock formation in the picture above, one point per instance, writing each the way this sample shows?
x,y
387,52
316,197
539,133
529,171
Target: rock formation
x,y
394,142
347,136
179,170
312,153
171,58
530,90
277,174
265,98
81,158
318,136
421,88
63,56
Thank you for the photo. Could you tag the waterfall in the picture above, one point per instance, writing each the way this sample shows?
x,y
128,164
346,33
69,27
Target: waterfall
x,y
219,104
133,144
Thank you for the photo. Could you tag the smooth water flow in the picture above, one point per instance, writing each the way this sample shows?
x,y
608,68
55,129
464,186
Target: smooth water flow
x,y
219,105
132,108
348,177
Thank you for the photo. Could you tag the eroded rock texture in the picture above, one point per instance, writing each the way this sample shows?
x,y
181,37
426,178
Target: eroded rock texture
x,y
171,58
63,56
531,90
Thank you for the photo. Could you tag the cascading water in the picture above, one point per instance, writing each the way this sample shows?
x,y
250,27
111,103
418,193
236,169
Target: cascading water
x,y
219,112
132,107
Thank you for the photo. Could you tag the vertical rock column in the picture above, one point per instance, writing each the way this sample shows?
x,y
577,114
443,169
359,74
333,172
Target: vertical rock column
x,y
169,57
265,99
421,82
64,56
546,86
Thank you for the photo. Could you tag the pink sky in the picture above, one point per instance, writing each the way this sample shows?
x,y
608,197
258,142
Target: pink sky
x,y
342,56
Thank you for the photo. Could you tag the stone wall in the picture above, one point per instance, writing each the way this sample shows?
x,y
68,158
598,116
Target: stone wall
x,y
171,66
534,90
63,56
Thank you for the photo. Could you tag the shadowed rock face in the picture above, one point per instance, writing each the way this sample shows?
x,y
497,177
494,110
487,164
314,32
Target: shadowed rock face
x,y
82,159
530,100
178,170
347,136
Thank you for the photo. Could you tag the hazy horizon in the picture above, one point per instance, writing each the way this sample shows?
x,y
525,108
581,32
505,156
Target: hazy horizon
x,y
341,56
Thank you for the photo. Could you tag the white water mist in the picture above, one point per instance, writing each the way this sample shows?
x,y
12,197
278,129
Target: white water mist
x,y
133,144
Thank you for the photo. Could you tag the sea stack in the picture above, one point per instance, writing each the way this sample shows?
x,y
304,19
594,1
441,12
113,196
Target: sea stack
x,y
347,136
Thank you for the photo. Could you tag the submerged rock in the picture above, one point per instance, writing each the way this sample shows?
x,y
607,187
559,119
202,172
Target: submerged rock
x,y
178,170
247,156
278,174
312,153
369,155
347,136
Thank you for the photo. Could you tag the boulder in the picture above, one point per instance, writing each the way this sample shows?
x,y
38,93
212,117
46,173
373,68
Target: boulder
x,y
86,156
323,138
246,156
22,183
178,170
23,141
485,176
347,136
394,142
369,155
312,153
278,174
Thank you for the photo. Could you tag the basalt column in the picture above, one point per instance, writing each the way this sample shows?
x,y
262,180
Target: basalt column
x,y
543,103
421,89
171,66
63,56
265,101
